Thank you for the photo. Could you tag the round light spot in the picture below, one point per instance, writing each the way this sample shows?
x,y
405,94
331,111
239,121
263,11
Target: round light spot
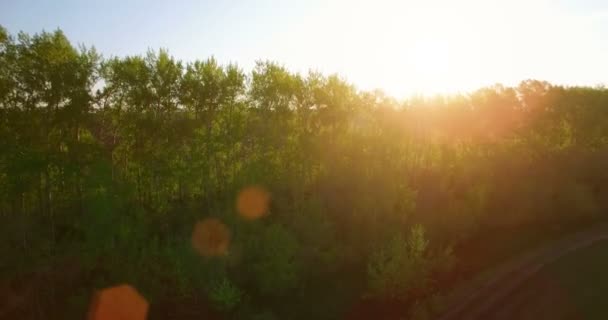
x,y
121,302
211,237
252,202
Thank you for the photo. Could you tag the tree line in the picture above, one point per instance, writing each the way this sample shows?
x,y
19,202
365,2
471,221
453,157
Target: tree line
x,y
107,165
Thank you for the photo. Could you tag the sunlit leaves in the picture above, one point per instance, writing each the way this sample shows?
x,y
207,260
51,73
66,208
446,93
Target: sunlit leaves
x,y
197,180
273,87
207,86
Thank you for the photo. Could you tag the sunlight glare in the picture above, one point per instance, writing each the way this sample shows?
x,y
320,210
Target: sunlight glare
x,y
422,47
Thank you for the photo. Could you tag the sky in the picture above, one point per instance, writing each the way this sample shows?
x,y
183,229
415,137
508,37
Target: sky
x,y
402,47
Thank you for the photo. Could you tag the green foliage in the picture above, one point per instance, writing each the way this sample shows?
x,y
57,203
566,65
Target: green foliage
x,y
106,165
225,295
402,266
272,254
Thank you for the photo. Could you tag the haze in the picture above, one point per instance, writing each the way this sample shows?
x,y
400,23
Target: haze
x,y
401,47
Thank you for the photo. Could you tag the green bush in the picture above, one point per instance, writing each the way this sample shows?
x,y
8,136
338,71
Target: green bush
x,y
400,266
273,260
225,295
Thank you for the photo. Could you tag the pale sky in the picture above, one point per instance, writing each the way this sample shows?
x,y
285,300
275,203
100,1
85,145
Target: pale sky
x,y
402,47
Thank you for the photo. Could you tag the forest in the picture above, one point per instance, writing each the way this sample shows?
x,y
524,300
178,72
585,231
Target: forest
x,y
220,193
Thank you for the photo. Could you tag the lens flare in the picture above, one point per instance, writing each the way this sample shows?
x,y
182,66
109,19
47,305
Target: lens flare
x,y
121,302
252,202
211,237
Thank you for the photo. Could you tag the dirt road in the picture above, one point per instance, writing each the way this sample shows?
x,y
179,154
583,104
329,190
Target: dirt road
x,y
479,300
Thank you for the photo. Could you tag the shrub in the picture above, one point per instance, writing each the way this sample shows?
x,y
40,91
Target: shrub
x,y
274,260
225,295
403,267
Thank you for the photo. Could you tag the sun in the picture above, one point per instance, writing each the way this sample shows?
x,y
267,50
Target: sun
x,y
409,46
432,62
442,54
431,56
